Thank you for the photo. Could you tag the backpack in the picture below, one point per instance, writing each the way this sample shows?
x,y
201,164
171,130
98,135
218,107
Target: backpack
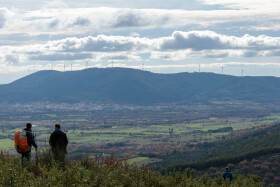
x,y
21,143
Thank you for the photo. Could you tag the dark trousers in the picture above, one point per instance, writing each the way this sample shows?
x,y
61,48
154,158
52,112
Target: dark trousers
x,y
59,154
26,155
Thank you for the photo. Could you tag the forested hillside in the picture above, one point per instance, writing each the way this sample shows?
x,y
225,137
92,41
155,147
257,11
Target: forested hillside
x,y
131,86
262,144
261,139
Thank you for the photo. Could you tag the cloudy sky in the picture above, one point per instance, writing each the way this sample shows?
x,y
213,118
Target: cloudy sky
x,y
159,36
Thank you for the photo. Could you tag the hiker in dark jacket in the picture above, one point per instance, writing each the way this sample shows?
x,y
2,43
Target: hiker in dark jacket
x,y
58,142
227,174
30,141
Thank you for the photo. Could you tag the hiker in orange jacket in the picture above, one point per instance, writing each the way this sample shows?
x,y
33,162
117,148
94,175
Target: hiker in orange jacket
x,y
30,140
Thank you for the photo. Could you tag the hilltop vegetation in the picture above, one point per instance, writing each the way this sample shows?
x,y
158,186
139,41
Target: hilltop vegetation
x,y
250,152
265,139
110,172
131,86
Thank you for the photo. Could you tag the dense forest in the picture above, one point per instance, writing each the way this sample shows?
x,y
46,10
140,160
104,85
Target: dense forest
x,y
262,144
259,142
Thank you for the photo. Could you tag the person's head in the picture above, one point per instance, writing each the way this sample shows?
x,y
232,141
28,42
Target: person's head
x,y
57,126
28,125
226,168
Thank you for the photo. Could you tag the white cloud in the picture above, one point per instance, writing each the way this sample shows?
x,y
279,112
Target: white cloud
x,y
179,46
100,43
83,20
55,5
2,18
134,34
117,57
61,56
6,69
267,5
5,15
61,32
208,40
180,55
12,57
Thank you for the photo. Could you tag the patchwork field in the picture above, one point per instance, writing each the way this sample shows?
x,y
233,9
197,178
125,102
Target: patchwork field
x,y
133,134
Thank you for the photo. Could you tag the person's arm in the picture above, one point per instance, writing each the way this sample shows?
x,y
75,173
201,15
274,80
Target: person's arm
x,y
51,140
224,175
66,140
31,139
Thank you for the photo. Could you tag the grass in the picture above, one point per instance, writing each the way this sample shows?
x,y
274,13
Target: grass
x,y
6,143
110,172
80,139
273,117
26,117
51,115
137,159
140,135
147,133
40,129
75,120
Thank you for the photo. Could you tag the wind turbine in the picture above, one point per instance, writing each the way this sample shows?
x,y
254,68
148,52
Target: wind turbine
x,y
143,66
64,67
222,69
71,67
242,70
112,63
199,67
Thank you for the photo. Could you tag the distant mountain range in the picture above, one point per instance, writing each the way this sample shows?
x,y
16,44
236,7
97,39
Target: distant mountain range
x,y
131,86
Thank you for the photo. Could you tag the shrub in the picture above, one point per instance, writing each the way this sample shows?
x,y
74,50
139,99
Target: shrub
x,y
243,163
231,166
266,163
257,166
212,169
277,179
245,169
269,175
109,172
254,161
264,168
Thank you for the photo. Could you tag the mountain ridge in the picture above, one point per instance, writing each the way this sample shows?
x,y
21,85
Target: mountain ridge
x,y
131,86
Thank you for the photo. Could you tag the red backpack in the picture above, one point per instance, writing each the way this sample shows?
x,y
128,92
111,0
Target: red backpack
x,y
21,143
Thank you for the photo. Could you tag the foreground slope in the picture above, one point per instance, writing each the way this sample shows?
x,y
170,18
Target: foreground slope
x,y
131,86
108,172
